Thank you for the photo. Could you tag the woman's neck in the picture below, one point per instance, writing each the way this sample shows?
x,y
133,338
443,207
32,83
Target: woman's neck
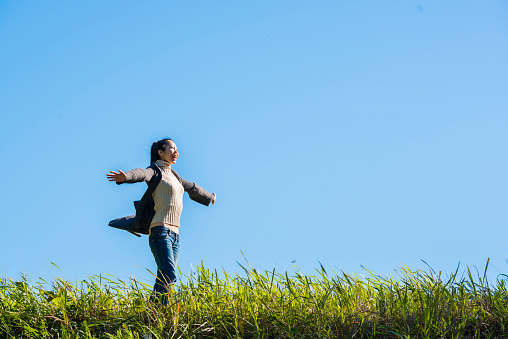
x,y
163,163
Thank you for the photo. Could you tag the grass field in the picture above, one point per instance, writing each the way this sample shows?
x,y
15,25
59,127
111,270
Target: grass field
x,y
211,304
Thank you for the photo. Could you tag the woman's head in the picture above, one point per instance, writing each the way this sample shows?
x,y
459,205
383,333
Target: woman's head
x,y
164,149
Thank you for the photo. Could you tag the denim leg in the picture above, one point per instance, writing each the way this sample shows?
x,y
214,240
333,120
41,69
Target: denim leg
x,y
165,247
176,249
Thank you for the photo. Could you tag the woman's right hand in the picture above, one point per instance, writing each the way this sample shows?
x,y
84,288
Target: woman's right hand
x,y
116,176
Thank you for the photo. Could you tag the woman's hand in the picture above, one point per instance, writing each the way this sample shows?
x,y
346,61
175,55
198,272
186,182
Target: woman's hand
x,y
214,198
116,176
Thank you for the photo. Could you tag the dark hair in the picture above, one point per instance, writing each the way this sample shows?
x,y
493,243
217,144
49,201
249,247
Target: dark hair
x,y
156,147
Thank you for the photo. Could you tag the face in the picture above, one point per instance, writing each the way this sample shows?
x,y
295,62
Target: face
x,y
170,154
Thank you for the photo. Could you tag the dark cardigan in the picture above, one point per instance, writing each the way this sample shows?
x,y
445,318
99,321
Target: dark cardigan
x,y
140,223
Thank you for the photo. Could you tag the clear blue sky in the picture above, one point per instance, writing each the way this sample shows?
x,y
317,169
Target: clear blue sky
x,y
343,132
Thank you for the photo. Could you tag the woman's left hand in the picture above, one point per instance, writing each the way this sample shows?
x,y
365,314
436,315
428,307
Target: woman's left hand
x,y
116,176
214,198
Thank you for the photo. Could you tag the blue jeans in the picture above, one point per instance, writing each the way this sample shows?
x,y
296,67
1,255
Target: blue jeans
x,y
165,245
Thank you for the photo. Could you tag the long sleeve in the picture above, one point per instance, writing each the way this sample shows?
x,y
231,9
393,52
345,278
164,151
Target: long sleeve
x,y
196,193
138,175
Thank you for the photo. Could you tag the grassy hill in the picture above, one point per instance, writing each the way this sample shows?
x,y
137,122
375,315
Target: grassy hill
x,y
209,304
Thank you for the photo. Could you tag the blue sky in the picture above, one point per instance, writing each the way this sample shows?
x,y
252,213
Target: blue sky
x,y
347,133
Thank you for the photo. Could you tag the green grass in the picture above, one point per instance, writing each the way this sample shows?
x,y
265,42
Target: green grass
x,y
211,304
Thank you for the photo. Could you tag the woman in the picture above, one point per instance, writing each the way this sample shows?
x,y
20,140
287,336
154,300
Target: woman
x,y
167,201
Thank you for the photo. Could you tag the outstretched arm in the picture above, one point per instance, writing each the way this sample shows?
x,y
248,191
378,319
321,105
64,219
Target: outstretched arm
x,y
198,193
195,192
135,175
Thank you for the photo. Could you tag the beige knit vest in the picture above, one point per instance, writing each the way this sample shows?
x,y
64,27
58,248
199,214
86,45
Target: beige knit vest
x,y
168,197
